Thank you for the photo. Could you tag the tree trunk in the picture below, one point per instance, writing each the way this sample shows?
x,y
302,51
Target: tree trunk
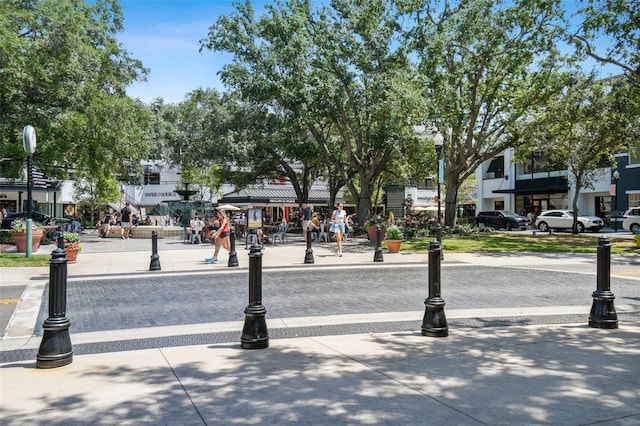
x,y
451,200
574,204
363,209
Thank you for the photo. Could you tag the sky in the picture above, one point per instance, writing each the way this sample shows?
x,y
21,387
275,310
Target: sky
x,y
165,35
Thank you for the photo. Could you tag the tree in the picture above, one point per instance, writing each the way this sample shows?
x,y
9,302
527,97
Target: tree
x,y
93,194
617,20
582,128
63,71
246,141
339,71
484,66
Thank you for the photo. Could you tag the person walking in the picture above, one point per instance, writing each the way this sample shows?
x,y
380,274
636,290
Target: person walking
x,y
221,237
125,221
338,220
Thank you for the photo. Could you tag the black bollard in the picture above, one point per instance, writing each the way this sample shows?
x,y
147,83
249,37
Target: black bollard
x,y
233,256
254,332
603,312
377,256
434,323
155,259
55,348
308,257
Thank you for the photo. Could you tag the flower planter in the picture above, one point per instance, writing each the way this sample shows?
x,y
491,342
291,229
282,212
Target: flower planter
x,y
394,246
72,255
20,238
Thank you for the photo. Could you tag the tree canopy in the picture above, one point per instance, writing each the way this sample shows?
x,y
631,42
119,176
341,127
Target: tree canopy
x,y
63,71
484,66
339,72
581,128
614,20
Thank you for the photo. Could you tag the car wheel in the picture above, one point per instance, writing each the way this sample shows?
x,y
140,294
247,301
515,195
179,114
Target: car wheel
x,y
580,227
543,226
634,228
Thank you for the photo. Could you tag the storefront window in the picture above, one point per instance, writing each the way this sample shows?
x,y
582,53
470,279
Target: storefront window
x,y
537,203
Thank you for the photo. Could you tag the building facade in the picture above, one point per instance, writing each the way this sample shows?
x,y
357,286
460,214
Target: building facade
x,y
533,186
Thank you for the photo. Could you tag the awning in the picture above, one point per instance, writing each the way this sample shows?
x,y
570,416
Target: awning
x,y
425,208
531,191
278,196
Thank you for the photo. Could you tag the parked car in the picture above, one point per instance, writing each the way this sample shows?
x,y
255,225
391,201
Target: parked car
x,y
502,219
563,219
631,220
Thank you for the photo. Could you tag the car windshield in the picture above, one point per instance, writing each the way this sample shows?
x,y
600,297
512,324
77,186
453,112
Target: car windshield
x,y
508,213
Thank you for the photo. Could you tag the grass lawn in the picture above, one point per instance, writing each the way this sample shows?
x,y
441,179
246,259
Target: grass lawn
x,y
545,243
495,242
20,259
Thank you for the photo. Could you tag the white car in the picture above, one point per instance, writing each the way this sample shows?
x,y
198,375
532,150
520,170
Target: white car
x,y
563,219
631,220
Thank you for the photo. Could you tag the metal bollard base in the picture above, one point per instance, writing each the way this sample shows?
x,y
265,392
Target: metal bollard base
x,y
55,348
603,312
434,323
254,333
377,255
308,256
233,259
154,265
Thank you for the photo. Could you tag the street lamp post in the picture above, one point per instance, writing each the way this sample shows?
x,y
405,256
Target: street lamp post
x,y
439,141
616,176
29,144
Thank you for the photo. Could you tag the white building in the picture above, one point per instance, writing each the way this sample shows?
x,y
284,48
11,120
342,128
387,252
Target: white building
x,y
533,187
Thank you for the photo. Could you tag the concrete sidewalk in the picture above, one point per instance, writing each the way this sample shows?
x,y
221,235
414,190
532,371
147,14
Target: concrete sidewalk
x,y
551,374
561,375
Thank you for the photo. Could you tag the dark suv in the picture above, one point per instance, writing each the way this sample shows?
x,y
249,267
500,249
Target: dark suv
x,y
502,219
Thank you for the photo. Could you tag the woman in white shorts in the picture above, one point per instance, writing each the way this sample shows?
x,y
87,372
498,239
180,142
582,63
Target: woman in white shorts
x,y
338,220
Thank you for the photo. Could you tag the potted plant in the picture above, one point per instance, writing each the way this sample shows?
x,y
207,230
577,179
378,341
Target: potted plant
x,y
19,235
71,245
372,225
394,238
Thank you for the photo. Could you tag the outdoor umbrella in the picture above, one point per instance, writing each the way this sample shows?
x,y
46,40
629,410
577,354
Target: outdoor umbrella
x,y
228,207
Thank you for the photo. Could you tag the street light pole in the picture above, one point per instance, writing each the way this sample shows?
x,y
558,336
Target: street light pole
x,y
29,144
616,176
439,141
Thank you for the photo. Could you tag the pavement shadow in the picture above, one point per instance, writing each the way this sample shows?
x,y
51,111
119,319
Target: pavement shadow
x,y
569,375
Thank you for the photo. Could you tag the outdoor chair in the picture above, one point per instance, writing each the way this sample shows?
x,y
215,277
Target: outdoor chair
x,y
323,233
196,236
280,234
